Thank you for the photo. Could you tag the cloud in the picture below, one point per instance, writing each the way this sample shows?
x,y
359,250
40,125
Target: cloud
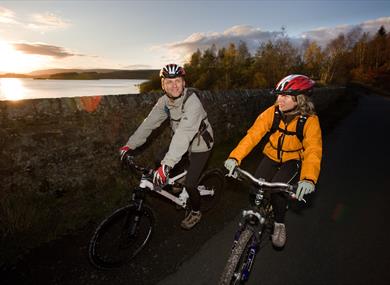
x,y
236,34
7,16
42,22
44,49
47,21
137,66
324,35
372,26
181,51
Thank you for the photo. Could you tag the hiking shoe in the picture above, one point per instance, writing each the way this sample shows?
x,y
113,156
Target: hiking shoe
x,y
279,236
191,220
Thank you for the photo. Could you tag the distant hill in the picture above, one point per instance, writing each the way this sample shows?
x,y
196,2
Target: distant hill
x,y
51,71
13,75
107,74
58,73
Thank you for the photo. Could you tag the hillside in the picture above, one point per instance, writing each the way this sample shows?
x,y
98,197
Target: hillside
x,y
86,74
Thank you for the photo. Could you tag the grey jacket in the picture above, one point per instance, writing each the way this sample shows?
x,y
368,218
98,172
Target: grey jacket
x,y
185,123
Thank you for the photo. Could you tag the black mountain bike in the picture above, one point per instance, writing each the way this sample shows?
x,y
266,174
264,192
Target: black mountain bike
x,y
255,223
124,233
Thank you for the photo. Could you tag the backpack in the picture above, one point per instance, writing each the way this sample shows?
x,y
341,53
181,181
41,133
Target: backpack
x,y
298,131
275,126
203,132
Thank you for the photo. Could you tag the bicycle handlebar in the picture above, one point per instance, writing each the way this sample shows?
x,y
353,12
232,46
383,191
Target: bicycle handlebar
x,y
262,182
131,164
283,187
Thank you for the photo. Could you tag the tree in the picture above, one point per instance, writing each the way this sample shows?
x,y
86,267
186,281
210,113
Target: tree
x,y
276,60
335,69
313,59
353,56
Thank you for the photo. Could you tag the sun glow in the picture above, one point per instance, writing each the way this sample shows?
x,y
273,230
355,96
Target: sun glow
x,y
13,61
11,89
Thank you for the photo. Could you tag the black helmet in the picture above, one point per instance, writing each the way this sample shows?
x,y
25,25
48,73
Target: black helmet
x,y
172,71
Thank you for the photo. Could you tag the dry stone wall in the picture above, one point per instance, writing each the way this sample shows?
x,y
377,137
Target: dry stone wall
x,y
59,165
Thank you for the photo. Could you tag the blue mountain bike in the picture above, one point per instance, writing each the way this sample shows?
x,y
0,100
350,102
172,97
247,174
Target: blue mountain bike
x,y
255,224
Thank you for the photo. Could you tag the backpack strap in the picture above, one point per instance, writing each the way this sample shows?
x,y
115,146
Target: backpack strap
x,y
300,125
189,92
276,121
275,126
202,132
299,128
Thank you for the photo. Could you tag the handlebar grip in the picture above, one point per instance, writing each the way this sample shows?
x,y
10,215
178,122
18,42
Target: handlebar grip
x,y
294,190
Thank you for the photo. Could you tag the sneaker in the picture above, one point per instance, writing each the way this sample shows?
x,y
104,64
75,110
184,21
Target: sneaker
x,y
191,220
279,236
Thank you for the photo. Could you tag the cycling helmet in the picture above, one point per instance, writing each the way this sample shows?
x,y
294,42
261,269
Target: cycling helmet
x,y
172,71
294,84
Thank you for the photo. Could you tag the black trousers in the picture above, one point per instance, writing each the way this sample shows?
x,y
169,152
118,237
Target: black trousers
x,y
286,172
194,162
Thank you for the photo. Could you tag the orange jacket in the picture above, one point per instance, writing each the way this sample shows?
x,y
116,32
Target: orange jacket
x,y
309,151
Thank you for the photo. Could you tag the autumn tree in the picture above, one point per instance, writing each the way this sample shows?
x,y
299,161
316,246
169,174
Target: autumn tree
x,y
353,56
313,60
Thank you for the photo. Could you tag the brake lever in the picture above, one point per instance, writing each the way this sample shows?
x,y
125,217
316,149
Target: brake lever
x,y
292,195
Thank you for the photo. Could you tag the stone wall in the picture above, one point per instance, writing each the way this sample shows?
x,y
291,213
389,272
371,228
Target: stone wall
x,y
59,165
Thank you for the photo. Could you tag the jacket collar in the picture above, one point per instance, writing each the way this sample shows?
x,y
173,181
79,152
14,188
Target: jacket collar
x,y
178,101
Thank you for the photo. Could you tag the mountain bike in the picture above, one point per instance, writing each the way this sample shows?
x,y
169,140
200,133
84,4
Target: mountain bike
x,y
125,232
255,223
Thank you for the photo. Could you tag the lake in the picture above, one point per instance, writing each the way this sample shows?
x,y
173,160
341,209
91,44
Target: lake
x,y
28,88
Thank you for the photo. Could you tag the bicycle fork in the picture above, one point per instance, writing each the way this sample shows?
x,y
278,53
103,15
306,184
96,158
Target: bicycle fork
x,y
133,221
255,222
249,262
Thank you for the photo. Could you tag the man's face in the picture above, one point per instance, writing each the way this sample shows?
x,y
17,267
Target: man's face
x,y
173,86
286,102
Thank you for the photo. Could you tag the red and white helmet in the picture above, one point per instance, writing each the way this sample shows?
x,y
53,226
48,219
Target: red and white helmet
x,y
172,71
294,84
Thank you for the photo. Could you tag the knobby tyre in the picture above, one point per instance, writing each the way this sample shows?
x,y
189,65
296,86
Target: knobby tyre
x,y
211,179
116,240
232,271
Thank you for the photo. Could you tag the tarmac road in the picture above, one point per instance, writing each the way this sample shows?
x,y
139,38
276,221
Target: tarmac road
x,y
342,235
339,237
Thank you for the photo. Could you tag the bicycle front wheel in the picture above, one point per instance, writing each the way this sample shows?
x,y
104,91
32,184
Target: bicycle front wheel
x,y
232,273
213,181
120,237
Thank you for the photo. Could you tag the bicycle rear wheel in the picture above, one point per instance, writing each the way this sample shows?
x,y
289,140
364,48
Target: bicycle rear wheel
x,y
232,273
212,179
120,237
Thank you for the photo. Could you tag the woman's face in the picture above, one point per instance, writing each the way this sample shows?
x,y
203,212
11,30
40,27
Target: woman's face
x,y
286,102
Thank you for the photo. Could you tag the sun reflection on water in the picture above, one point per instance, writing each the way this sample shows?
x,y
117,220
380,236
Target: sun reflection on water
x,y
12,89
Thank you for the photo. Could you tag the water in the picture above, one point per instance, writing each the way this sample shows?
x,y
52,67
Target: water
x,y
28,88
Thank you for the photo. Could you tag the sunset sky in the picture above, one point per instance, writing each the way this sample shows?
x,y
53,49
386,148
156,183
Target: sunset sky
x,y
148,34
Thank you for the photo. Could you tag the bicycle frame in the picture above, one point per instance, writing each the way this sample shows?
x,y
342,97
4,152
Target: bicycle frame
x,y
181,200
255,220
126,231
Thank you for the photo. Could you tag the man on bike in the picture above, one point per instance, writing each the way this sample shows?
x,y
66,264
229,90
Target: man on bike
x,y
289,156
192,135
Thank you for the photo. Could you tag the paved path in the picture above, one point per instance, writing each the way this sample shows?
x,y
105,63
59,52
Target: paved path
x,y
342,235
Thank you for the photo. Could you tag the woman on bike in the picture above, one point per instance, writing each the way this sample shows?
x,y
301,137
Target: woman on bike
x,y
192,135
293,150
